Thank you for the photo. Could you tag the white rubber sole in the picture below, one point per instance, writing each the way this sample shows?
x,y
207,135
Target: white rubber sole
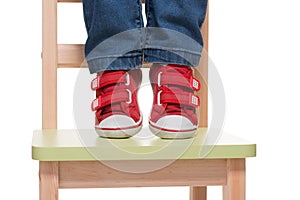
x,y
173,127
118,134
172,134
118,126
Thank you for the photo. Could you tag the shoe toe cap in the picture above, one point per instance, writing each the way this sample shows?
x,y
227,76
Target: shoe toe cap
x,y
175,122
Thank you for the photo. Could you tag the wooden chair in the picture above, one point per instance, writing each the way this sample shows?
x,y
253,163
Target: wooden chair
x,y
64,162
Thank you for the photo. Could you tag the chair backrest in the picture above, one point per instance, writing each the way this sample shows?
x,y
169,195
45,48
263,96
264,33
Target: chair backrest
x,y
56,56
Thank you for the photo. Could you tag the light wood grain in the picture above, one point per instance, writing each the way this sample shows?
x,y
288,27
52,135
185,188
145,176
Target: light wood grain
x,y
71,56
48,171
235,189
49,57
202,74
94,174
48,180
198,193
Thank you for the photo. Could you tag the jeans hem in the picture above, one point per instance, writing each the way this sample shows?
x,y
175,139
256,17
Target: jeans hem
x,y
172,57
112,63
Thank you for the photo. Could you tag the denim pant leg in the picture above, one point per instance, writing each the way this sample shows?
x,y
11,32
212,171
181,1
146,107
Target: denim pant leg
x,y
114,34
173,31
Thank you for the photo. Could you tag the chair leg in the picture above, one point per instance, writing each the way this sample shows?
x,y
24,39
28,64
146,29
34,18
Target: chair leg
x,y
198,193
236,180
48,180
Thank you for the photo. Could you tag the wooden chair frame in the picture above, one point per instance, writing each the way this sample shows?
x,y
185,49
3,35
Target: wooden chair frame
x,y
230,173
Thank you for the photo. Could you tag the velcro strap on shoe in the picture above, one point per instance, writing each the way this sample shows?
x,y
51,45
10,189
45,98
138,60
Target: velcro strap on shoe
x,y
184,98
179,79
110,98
110,78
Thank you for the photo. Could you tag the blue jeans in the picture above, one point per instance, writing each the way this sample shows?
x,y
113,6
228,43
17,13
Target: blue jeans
x,y
118,40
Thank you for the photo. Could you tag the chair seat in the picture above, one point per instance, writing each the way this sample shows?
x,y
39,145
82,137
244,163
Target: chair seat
x,y
85,145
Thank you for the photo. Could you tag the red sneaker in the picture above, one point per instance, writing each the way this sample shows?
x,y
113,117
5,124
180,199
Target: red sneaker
x,y
116,106
173,113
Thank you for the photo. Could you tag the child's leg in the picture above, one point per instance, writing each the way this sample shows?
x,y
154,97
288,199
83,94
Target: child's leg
x,y
115,53
107,18
173,31
174,43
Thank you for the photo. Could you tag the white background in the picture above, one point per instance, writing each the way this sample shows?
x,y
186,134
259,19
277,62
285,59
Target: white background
x,y
255,46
